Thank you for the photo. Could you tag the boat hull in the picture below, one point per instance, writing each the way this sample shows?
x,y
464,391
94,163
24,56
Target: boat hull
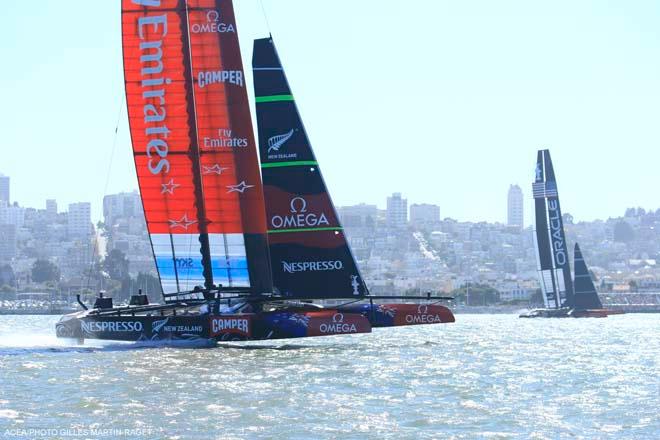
x,y
595,313
568,313
219,327
175,323
395,315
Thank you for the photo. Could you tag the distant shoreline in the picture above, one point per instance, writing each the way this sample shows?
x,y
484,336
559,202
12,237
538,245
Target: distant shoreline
x,y
34,312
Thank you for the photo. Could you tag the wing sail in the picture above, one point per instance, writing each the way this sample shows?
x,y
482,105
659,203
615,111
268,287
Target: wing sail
x,y
554,267
193,143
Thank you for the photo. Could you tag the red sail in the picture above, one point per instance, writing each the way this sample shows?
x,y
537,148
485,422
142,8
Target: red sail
x,y
192,139
231,176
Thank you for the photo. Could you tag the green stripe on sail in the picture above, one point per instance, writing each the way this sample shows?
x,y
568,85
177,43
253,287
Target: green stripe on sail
x,y
289,164
273,98
280,231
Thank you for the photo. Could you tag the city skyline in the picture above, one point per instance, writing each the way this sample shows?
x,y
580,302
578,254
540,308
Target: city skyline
x,y
98,210
485,87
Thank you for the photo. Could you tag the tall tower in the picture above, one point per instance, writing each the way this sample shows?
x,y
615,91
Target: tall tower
x,y
79,220
515,207
4,188
397,211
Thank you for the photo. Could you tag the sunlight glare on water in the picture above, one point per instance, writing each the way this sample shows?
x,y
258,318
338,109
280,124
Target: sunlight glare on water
x,y
486,376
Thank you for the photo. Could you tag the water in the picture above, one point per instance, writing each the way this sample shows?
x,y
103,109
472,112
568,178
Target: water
x,y
486,376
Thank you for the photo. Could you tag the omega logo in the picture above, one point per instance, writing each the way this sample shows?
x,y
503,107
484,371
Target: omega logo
x,y
302,205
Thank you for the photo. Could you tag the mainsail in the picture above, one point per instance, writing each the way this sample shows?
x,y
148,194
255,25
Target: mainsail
x,y
554,267
586,296
309,253
193,145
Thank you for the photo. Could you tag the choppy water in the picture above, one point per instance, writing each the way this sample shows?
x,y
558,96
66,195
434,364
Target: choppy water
x,y
486,376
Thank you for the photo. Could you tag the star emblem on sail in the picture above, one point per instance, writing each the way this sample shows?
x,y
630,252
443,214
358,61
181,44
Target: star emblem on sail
x,y
184,223
276,142
241,187
169,187
215,169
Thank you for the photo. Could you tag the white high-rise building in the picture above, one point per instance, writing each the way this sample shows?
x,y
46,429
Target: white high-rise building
x,y
424,213
122,205
515,207
79,220
51,208
361,215
4,188
397,211
12,214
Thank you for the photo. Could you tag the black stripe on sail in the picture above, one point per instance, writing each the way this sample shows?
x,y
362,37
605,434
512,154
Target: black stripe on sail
x,y
256,244
205,247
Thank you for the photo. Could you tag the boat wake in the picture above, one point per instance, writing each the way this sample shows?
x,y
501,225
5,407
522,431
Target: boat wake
x,y
31,343
283,347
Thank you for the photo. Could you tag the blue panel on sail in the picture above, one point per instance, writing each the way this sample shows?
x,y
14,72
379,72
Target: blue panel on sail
x,y
179,261
229,260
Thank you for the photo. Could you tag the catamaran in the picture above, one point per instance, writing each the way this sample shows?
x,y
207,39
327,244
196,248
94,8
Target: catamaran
x,y
562,296
241,252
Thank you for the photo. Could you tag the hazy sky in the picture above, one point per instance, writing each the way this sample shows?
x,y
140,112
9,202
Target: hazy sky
x,y
444,101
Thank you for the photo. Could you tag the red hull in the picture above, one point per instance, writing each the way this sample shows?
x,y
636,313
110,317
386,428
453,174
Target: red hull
x,y
590,313
418,314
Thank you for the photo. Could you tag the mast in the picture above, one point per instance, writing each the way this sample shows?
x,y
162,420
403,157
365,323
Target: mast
x,y
310,256
194,147
542,239
205,248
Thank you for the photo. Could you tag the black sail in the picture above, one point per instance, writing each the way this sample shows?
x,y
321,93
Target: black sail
x,y
586,296
554,267
545,263
310,255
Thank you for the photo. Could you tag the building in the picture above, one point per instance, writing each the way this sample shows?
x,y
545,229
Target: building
x,y
7,242
51,209
12,214
121,206
358,216
397,211
424,214
4,188
515,207
79,220
515,293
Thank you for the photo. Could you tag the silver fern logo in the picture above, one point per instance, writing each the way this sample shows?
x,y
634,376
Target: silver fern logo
x,y
276,142
157,326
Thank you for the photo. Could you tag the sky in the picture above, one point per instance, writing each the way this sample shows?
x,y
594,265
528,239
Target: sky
x,y
443,101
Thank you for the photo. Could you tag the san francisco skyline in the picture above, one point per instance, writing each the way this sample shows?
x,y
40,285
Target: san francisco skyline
x,y
449,111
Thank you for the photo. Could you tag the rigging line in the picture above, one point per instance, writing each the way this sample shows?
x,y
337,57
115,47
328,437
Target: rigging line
x,y
107,181
263,11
